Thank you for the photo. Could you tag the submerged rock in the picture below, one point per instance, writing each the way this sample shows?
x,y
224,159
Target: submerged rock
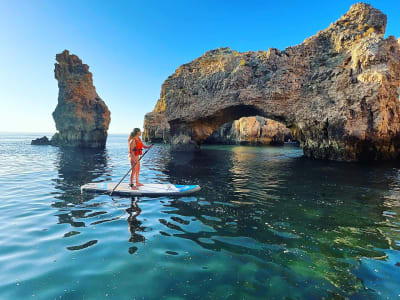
x,y
338,91
81,116
41,141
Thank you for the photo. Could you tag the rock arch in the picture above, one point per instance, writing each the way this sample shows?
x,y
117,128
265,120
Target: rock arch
x,y
254,130
337,91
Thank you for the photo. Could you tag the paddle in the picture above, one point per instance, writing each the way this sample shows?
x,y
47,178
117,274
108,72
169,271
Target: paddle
x,y
131,169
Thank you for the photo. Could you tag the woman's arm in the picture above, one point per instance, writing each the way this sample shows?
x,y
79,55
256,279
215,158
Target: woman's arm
x,y
144,146
132,146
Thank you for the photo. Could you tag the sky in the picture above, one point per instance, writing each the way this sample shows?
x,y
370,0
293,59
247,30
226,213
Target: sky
x,y
131,47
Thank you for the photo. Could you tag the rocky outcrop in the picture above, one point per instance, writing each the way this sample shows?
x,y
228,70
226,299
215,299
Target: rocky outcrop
x,y
41,141
338,91
81,117
251,130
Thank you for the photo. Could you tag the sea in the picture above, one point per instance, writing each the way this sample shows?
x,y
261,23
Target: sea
x,y
268,223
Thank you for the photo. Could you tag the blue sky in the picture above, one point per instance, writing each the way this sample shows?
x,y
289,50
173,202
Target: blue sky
x,y
133,46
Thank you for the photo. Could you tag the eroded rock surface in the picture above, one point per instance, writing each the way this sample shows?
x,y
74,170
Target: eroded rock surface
x,y
338,91
156,128
82,118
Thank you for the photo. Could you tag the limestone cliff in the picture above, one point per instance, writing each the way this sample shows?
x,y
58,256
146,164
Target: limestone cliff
x,y
337,91
81,116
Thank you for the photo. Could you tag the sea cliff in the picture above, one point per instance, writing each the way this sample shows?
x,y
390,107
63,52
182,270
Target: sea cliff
x,y
337,91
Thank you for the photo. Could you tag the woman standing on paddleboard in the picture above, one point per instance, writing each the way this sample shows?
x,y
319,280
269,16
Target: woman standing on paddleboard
x,y
136,147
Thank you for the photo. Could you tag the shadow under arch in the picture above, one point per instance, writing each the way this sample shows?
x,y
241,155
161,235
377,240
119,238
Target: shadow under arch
x,y
198,131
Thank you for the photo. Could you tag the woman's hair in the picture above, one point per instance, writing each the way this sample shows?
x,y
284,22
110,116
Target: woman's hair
x,y
134,132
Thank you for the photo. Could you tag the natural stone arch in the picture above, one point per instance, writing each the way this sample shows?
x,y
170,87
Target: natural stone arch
x,y
202,128
337,91
253,130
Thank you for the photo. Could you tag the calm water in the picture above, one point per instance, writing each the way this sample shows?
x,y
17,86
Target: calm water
x,y
268,224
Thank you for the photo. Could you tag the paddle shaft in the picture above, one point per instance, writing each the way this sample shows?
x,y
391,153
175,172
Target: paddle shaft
x,y
130,169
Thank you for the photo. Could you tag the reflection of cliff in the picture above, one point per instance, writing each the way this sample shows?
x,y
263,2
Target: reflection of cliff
x,y
79,166
247,130
75,168
276,217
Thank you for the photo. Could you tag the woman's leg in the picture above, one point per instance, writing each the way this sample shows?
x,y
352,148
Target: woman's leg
x,y
137,174
131,179
133,173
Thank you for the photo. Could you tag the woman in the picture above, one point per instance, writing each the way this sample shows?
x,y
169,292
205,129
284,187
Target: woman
x,y
136,147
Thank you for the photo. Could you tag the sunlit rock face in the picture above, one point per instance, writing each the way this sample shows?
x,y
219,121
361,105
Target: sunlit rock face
x,y
156,127
81,116
338,91
251,130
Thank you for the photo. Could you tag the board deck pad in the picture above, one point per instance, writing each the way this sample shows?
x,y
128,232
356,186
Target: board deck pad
x,y
155,189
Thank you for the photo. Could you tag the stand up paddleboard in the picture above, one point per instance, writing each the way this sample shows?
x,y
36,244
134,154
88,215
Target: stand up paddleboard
x,y
146,190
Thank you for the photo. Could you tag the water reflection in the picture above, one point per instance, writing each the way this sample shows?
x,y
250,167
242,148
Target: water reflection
x,y
77,166
134,224
323,225
310,218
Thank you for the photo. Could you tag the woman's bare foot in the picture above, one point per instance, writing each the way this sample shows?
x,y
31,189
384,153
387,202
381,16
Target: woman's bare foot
x,y
133,187
139,184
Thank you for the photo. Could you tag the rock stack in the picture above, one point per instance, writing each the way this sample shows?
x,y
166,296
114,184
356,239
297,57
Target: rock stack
x,y
81,116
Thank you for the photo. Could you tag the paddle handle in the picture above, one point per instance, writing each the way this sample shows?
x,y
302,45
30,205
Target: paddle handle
x,y
131,169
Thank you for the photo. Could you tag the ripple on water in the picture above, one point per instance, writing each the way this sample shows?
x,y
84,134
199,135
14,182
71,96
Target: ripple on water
x,y
266,224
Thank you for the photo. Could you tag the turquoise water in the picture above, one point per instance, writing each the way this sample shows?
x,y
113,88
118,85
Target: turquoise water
x,y
267,224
